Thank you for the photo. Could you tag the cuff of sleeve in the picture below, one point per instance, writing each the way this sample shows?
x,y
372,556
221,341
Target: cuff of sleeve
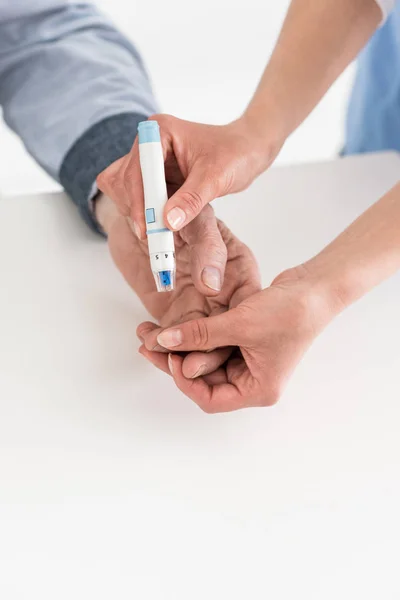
x,y
96,149
386,7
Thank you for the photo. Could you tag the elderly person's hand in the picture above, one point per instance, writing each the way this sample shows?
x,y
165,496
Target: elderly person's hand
x,y
187,301
271,331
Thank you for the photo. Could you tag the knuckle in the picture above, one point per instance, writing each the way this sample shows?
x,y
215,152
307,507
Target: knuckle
x,y
216,248
272,395
211,244
207,408
117,192
157,116
129,186
209,213
102,179
130,177
117,182
106,178
193,201
162,118
199,332
217,176
215,181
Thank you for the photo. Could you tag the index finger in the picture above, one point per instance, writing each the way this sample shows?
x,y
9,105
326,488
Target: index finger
x,y
110,182
133,186
194,363
122,182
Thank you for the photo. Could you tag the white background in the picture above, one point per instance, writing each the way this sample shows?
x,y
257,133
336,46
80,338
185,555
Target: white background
x,y
113,486
110,488
204,59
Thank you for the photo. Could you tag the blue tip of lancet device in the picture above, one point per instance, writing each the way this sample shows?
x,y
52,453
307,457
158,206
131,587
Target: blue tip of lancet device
x,y
165,280
165,277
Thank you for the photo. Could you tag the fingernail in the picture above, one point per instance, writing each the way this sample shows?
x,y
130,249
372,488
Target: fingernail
x,y
135,227
170,364
170,339
211,277
199,372
176,217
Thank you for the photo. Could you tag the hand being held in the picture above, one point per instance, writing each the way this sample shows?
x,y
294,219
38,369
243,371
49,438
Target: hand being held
x,y
187,301
241,281
202,162
271,331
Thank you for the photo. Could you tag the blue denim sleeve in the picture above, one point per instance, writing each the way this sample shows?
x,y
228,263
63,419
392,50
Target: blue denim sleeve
x,y
73,88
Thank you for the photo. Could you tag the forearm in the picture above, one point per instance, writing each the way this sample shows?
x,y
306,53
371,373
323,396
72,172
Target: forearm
x,y
73,88
364,255
318,40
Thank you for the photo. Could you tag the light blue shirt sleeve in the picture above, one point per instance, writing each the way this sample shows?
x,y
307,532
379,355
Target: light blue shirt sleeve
x,y
64,71
386,6
373,117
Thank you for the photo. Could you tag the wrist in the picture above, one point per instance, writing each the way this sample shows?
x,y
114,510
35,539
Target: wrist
x,y
333,285
262,138
265,126
318,293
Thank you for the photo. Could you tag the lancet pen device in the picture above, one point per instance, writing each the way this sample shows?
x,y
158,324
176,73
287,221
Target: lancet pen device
x,y
160,239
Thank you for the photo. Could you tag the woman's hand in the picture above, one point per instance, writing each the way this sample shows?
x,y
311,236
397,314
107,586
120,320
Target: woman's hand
x,y
186,301
271,331
202,162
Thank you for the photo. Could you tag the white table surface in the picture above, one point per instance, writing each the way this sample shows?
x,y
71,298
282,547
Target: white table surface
x,y
115,486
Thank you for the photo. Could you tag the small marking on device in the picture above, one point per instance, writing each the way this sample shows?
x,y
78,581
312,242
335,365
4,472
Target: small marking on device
x,y
150,215
149,231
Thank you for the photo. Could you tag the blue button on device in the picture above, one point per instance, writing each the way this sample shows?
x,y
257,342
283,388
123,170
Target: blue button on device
x,y
150,215
148,131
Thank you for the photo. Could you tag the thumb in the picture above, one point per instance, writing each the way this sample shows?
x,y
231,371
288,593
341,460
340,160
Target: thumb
x,y
203,334
208,252
200,188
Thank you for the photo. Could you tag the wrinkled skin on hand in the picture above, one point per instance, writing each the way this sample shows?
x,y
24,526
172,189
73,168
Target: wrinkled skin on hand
x,y
272,329
186,301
